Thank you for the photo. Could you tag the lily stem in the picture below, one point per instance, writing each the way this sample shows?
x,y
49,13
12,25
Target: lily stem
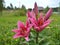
x,y
37,35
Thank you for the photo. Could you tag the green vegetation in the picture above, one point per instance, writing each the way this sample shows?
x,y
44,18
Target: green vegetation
x,y
49,36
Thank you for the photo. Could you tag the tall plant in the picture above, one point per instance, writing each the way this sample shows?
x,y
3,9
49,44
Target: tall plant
x,y
38,23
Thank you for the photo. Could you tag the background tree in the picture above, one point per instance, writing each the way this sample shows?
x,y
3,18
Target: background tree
x,y
22,10
46,9
8,8
11,6
15,7
23,7
1,6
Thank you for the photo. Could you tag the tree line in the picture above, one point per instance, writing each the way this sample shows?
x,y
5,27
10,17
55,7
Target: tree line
x,y
23,8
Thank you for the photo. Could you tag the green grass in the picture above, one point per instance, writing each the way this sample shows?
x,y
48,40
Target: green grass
x,y
49,36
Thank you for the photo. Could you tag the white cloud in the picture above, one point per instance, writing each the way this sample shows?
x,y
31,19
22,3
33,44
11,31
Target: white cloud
x,y
30,3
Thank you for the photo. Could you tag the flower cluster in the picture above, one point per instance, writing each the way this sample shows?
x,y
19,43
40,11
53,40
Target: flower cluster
x,y
35,21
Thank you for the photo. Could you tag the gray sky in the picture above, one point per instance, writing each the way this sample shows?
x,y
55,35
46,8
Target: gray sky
x,y
30,3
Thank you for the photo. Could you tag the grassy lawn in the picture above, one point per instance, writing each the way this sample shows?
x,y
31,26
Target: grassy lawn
x,y
49,36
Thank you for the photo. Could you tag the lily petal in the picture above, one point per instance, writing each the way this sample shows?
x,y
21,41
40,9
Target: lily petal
x,y
47,21
40,20
48,14
37,29
36,8
33,21
28,14
20,25
33,14
27,23
17,35
26,38
46,24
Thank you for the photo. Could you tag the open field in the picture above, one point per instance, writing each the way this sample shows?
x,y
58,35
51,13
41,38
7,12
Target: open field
x,y
49,36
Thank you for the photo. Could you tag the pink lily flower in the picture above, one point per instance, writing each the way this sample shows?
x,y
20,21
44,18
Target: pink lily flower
x,y
39,24
22,31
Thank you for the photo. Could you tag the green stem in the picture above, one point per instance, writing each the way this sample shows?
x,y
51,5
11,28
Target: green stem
x,y
37,35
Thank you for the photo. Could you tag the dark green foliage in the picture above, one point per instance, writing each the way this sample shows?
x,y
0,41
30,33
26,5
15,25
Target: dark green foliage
x,y
46,9
8,7
1,5
11,6
55,9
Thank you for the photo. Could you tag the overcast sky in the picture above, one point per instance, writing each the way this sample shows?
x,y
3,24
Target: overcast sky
x,y
30,3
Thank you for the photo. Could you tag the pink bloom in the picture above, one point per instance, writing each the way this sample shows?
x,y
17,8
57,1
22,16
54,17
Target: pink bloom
x,y
48,14
22,31
30,14
35,9
39,24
